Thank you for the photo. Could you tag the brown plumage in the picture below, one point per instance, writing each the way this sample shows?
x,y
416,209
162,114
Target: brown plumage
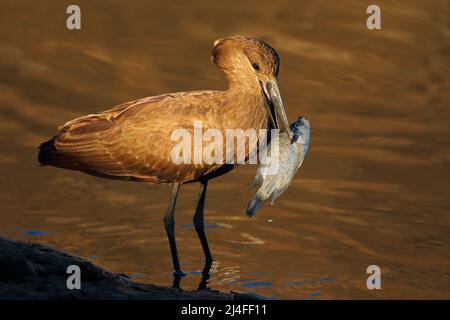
x,y
132,141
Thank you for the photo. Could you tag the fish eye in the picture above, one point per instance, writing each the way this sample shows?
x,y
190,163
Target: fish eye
x,y
255,66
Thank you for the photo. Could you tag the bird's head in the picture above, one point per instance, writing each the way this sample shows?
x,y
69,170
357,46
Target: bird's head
x,y
250,63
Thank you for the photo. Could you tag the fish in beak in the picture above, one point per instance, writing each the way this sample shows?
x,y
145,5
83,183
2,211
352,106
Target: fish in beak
x,y
275,106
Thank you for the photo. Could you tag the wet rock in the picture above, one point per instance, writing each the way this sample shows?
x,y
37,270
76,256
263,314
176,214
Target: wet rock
x,y
36,271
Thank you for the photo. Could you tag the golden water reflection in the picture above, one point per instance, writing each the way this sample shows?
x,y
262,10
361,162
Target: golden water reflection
x,y
373,188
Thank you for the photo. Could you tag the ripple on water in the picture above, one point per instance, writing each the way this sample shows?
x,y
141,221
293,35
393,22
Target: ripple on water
x,y
191,226
256,284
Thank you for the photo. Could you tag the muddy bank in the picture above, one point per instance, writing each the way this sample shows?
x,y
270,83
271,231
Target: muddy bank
x,y
36,271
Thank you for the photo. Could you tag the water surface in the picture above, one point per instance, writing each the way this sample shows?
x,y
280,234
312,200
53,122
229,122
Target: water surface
x,y
373,189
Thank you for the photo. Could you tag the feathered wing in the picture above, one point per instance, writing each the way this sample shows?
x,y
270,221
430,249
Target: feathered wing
x,y
131,141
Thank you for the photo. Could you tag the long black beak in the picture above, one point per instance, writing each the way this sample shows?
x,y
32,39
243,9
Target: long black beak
x,y
275,106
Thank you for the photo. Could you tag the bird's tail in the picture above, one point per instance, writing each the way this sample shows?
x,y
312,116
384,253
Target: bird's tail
x,y
49,155
254,205
46,152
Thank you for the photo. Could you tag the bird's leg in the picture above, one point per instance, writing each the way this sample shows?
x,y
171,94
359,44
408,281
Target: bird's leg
x,y
169,224
199,222
205,276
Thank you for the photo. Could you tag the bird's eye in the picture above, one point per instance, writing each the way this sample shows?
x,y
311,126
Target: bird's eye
x,y
255,66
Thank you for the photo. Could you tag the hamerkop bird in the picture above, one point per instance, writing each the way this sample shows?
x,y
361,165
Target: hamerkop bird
x,y
132,141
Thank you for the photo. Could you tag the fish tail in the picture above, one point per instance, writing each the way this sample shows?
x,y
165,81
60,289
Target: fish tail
x,y
254,205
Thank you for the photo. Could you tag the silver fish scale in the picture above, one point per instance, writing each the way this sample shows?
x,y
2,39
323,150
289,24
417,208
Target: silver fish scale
x,y
291,155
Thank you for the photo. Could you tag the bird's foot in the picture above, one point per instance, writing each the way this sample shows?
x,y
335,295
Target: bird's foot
x,y
177,276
